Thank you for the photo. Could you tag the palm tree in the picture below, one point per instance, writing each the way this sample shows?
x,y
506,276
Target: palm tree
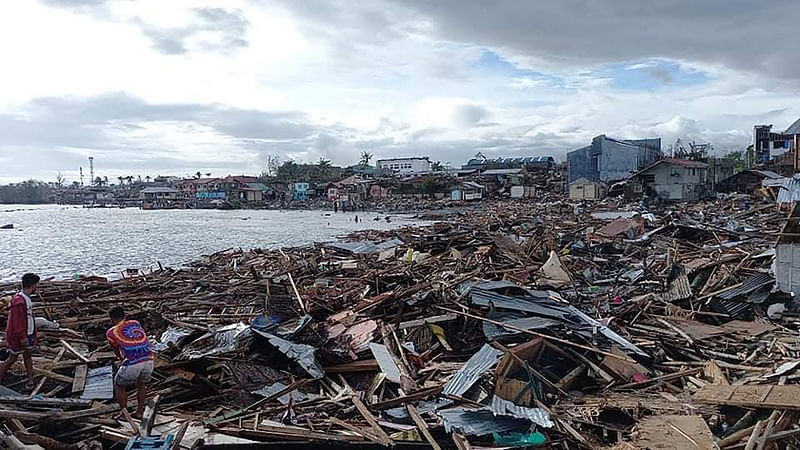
x,y
365,158
324,167
148,178
130,179
198,174
120,178
98,181
208,174
105,181
436,166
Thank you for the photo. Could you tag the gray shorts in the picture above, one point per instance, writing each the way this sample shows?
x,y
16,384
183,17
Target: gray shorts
x,y
130,375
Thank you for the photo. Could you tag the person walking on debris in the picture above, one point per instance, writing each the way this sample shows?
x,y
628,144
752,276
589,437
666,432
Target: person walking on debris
x,y
130,343
21,334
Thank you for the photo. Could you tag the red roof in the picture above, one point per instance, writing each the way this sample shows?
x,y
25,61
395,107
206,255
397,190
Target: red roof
x,y
684,163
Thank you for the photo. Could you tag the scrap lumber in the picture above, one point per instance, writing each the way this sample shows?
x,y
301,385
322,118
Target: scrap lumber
x,y
752,396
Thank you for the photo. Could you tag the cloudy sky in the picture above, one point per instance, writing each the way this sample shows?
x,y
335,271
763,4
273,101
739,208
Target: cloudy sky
x,y
173,87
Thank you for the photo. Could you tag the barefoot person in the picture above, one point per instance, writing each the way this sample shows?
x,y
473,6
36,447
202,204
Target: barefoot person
x,y
129,341
21,328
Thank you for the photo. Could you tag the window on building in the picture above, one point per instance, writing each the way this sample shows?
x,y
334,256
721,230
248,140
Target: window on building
x,y
649,178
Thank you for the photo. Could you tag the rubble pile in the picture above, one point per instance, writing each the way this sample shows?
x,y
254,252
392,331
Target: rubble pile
x,y
555,324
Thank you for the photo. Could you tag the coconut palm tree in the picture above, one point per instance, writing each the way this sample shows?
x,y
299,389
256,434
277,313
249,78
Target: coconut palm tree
x,y
366,157
148,178
121,179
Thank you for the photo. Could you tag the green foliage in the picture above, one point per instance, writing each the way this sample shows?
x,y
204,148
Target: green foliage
x,y
737,156
26,192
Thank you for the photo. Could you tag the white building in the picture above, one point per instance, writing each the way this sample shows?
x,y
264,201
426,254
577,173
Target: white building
x,y
404,166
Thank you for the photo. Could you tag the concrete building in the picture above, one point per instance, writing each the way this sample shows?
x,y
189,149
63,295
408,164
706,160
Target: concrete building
x,y
670,179
406,166
585,189
769,144
607,159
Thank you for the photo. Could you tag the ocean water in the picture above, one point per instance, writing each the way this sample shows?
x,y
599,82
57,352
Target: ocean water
x,y
62,241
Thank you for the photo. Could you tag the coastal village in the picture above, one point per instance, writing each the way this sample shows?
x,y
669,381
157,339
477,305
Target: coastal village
x,y
632,168
633,296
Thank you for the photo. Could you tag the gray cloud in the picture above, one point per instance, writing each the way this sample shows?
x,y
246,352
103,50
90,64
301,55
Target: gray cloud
x,y
740,34
469,115
229,28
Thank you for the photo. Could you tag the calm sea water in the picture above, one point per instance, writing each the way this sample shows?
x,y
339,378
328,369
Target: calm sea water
x,y
58,241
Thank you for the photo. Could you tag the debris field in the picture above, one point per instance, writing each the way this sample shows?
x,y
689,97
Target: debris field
x,y
554,324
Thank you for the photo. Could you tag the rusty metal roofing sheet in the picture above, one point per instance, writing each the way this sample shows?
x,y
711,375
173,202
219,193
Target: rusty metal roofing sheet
x,y
472,370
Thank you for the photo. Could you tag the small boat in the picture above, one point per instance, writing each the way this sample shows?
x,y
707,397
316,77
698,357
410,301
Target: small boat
x,y
9,226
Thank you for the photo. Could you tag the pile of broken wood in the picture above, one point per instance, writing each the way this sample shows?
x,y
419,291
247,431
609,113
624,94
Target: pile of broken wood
x,y
554,324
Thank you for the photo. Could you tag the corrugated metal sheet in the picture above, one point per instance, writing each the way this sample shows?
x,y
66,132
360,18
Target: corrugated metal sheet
x,y
472,370
735,310
749,285
386,362
516,319
543,304
302,354
479,422
99,384
227,339
172,336
503,407
365,247
274,388
789,192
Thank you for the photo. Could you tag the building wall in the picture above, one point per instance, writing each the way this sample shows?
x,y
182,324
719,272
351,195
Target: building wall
x,y
787,267
586,191
610,160
405,165
674,182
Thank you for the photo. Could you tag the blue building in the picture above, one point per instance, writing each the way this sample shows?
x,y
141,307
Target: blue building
x,y
607,159
301,192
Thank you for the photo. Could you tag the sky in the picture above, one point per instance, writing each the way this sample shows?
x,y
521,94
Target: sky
x,y
154,87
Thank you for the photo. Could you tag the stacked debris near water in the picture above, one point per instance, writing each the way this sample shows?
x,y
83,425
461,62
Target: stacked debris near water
x,y
553,324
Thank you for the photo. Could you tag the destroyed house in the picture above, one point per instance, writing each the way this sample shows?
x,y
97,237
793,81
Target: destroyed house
x,y
787,254
670,179
607,159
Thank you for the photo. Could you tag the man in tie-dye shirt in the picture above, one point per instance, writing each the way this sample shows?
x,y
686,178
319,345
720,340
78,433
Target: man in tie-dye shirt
x,y
129,341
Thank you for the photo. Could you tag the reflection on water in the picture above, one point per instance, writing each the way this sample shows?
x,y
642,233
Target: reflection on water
x,y
57,241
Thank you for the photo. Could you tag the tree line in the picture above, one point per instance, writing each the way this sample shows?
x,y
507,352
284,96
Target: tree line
x,y
27,192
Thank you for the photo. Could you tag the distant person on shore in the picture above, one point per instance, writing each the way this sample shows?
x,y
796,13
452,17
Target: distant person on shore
x,y
130,343
21,335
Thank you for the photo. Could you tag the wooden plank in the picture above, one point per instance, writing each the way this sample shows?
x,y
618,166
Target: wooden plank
x,y
362,409
422,426
53,376
149,415
675,432
79,380
369,365
755,396
176,444
72,350
356,430
35,401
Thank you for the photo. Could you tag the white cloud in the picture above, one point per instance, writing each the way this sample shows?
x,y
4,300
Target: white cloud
x,y
154,85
